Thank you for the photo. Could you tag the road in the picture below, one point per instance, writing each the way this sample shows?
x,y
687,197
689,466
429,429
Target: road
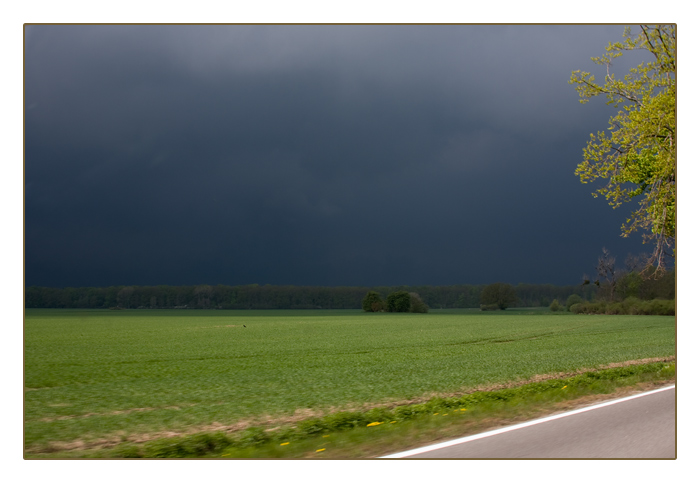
x,y
640,426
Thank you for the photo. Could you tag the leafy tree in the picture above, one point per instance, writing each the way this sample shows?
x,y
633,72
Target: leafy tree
x,y
501,294
398,301
372,302
417,304
554,306
572,300
124,296
637,156
629,284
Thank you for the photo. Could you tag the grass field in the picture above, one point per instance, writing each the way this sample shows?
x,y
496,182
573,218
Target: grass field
x,y
101,374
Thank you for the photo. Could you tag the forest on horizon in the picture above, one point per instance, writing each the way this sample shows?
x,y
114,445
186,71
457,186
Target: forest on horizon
x,y
256,296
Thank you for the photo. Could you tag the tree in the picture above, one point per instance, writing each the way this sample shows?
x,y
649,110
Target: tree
x,y
124,296
637,156
372,302
398,301
417,305
607,271
203,294
501,294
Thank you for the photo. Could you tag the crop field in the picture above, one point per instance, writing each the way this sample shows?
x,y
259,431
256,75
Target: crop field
x,y
92,374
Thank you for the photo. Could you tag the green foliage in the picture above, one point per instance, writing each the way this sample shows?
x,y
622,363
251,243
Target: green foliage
x,y
554,306
576,308
254,436
629,285
660,287
637,156
417,304
630,306
398,301
501,294
573,299
185,447
373,302
244,297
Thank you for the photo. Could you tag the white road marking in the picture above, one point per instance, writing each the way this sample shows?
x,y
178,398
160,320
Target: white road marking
x,y
473,437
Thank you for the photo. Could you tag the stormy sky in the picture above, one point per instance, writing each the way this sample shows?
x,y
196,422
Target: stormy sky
x,y
312,155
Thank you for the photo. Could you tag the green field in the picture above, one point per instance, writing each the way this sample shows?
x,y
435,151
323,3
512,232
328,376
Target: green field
x,y
92,374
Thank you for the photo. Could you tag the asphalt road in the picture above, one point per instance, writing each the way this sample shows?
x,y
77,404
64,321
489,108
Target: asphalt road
x,y
642,427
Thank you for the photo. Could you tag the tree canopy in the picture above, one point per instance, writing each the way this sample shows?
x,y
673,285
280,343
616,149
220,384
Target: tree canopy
x,y
372,302
501,294
398,301
637,156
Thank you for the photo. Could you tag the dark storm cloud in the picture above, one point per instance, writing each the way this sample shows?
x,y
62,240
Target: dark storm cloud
x,y
330,155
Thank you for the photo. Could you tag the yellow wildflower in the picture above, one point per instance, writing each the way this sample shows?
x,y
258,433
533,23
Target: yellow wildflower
x,y
284,444
376,423
319,450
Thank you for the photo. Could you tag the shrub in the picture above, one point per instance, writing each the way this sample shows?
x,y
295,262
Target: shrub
x,y
578,308
344,420
398,302
417,304
312,427
615,309
501,294
630,303
588,308
184,447
573,299
372,302
597,308
253,437
659,307
630,306
554,306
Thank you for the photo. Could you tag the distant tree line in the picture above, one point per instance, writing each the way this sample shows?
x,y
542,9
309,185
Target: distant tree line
x,y
400,301
297,297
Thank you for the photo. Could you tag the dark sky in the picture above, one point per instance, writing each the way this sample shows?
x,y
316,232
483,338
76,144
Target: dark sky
x,y
312,155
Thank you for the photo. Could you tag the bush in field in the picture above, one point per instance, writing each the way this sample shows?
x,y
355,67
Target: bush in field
x,y
554,306
398,301
630,303
630,306
659,307
417,304
372,302
615,309
501,294
577,308
573,299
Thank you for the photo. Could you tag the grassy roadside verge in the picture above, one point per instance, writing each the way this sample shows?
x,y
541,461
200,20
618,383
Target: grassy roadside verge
x,y
384,430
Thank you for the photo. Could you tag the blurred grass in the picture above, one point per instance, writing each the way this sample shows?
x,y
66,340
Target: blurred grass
x,y
91,374
384,431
